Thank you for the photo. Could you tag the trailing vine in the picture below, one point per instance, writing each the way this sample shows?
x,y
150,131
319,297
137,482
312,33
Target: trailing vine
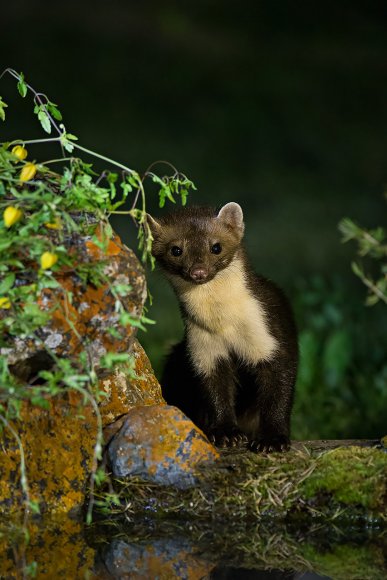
x,y
371,245
40,208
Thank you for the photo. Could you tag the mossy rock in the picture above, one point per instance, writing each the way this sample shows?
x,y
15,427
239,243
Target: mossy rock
x,y
351,476
350,482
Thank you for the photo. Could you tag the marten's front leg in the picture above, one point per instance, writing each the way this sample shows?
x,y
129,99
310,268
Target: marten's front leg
x,y
220,424
275,387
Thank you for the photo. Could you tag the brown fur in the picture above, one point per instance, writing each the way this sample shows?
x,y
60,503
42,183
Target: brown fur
x,y
234,371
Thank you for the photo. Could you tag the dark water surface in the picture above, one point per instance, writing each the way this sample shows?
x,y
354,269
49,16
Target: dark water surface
x,y
65,548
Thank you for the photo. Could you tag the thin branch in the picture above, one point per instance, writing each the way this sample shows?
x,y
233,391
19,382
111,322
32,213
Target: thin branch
x,y
374,289
99,156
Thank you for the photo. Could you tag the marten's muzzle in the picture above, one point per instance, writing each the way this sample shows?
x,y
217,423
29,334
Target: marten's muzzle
x,y
198,273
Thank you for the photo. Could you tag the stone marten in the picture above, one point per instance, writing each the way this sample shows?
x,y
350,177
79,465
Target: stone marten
x,y
234,371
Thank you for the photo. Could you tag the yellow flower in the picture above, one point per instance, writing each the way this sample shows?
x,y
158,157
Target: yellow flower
x,y
28,172
20,152
55,225
12,215
47,260
5,302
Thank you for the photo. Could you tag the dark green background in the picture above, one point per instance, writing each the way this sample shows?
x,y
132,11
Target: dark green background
x,y
278,105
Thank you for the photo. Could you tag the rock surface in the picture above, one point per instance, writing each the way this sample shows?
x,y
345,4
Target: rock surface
x,y
59,441
58,445
161,559
56,548
91,312
160,444
124,391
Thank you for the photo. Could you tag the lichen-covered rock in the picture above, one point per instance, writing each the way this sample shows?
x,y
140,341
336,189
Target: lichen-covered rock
x,y
56,548
160,444
59,441
58,444
90,313
164,558
124,391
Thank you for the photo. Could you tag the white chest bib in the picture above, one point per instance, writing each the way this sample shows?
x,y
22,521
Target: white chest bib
x,y
229,319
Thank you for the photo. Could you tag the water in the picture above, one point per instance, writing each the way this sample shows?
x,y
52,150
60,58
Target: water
x,y
119,548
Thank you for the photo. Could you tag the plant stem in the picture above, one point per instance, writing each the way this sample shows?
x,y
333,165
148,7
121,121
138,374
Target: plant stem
x,y
23,473
28,142
374,289
56,160
99,156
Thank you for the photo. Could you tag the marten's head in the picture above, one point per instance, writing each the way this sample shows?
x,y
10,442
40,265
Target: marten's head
x,y
195,243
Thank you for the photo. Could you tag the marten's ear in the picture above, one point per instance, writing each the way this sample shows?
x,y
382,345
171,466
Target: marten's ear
x,y
153,224
231,215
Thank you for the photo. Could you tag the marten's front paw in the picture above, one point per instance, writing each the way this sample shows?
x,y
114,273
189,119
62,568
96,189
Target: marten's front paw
x,y
270,444
231,437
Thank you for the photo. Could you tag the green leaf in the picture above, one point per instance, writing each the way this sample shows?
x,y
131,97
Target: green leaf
x,y
66,139
40,401
73,138
372,299
54,111
183,194
7,283
2,107
44,120
146,320
5,244
349,229
21,85
34,506
127,319
356,269
67,146
122,289
111,359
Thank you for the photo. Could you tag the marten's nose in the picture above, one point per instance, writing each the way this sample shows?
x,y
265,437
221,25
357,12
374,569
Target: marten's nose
x,y
198,273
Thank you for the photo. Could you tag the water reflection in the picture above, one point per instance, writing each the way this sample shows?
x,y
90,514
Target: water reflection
x,y
64,548
177,559
244,574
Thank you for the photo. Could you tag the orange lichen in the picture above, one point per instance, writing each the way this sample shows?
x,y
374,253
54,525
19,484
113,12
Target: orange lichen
x,y
91,311
125,391
96,253
58,449
151,562
161,442
56,544
58,445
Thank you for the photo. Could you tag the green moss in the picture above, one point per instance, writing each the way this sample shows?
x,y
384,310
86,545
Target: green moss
x,y
352,476
248,486
341,562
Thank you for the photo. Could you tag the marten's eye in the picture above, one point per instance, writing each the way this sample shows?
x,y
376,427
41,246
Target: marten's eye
x,y
176,251
216,249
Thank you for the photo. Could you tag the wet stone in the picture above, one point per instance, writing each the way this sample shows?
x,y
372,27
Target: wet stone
x,y
160,444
